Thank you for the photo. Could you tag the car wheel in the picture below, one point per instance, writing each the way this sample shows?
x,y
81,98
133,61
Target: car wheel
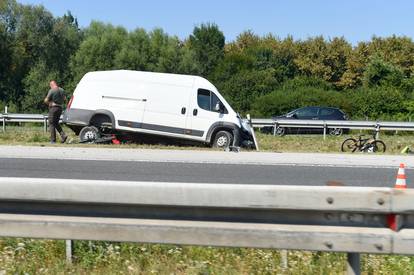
x,y
336,132
89,134
223,139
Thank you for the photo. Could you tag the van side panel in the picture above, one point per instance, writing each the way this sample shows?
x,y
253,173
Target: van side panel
x,y
167,109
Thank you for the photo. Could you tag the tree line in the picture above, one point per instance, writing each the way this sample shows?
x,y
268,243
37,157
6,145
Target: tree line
x,y
261,75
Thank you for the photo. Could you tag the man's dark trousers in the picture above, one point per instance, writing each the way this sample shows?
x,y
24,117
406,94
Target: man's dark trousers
x,y
54,116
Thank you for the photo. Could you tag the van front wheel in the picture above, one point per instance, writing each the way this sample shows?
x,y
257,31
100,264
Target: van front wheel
x,y
223,139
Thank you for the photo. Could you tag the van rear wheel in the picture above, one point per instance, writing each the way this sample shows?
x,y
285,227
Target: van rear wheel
x,y
89,134
223,139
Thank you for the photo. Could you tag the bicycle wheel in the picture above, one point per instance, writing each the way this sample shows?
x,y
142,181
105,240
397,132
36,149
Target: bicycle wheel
x,y
378,146
349,145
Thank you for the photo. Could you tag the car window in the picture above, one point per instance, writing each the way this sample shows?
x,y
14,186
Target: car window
x,y
307,112
327,112
208,100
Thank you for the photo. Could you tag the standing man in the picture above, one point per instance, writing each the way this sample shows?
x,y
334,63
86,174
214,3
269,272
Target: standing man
x,y
55,99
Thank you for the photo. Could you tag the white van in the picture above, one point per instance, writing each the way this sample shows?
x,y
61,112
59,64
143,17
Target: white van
x,y
171,105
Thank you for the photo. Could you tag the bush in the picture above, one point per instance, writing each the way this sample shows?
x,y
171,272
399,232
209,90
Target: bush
x,y
299,92
377,103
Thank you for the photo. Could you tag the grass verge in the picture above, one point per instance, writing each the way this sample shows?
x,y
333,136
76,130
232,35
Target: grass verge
x,y
289,143
27,256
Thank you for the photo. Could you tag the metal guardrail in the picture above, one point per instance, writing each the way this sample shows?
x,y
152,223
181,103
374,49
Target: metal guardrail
x,y
330,124
259,123
320,218
23,118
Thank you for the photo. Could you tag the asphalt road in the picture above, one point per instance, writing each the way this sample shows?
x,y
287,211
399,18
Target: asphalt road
x,y
283,174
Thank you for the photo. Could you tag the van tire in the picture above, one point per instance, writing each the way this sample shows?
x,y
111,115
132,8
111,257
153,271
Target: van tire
x,y
89,134
223,139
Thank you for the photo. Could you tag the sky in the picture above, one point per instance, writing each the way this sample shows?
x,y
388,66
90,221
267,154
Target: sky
x,y
356,20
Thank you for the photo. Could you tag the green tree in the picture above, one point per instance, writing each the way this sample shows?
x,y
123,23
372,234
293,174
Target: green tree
x,y
135,52
207,42
165,52
327,60
37,85
98,51
380,73
55,41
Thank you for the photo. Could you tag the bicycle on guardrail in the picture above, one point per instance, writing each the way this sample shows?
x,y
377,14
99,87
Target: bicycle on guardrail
x,y
366,145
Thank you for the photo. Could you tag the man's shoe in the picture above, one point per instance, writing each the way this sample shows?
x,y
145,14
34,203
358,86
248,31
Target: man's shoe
x,y
64,139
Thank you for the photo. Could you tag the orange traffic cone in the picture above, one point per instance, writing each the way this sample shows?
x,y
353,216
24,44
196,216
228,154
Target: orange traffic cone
x,y
401,178
400,183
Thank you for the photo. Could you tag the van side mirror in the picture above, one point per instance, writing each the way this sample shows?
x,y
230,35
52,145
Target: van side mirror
x,y
219,107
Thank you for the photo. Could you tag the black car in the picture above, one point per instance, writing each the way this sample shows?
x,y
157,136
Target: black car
x,y
314,113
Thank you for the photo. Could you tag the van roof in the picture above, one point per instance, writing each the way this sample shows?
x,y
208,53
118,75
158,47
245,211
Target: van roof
x,y
140,76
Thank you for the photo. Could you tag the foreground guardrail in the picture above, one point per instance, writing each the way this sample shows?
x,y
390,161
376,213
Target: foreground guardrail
x,y
346,219
332,124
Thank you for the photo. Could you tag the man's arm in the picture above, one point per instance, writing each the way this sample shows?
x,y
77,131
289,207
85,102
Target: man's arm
x,y
47,98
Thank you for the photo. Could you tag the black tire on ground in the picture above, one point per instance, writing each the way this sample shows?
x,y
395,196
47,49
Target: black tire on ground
x,y
336,132
349,145
223,139
377,146
280,131
89,134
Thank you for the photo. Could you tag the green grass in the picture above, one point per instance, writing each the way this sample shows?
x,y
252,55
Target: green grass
x,y
289,143
26,256
316,143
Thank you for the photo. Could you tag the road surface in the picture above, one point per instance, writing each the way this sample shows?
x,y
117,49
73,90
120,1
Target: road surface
x,y
202,166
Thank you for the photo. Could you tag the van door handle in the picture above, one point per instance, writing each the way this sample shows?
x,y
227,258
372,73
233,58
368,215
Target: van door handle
x,y
195,112
183,110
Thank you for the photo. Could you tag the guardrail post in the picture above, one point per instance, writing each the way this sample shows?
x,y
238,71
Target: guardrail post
x,y
377,130
275,128
324,131
4,124
284,259
45,124
353,266
69,251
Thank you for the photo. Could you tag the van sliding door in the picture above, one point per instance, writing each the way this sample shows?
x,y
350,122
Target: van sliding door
x,y
167,110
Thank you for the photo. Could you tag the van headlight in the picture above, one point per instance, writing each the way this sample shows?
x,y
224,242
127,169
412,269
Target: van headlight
x,y
246,126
